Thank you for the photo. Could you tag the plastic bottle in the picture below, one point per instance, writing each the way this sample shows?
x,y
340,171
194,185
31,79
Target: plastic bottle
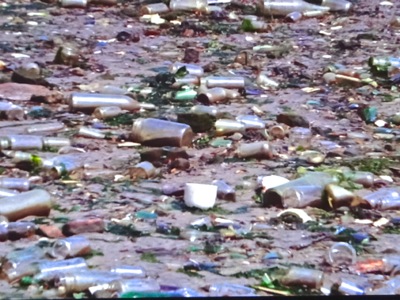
x,y
12,111
91,133
69,247
334,5
29,142
348,288
227,127
64,164
384,199
159,133
300,192
48,270
259,150
18,230
129,271
389,287
48,127
225,82
32,203
251,121
190,68
230,290
144,169
3,232
297,276
82,280
284,7
90,101
213,96
74,3
154,8
225,191
20,184
189,5
105,112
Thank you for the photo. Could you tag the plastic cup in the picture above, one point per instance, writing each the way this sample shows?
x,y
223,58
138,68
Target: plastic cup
x,y
341,254
200,195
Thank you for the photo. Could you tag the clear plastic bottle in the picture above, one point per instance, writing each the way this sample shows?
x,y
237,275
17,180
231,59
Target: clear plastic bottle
x,y
69,247
225,191
227,127
20,184
232,82
298,276
284,7
129,271
82,280
230,290
48,270
192,69
384,199
32,203
190,5
303,191
90,101
18,230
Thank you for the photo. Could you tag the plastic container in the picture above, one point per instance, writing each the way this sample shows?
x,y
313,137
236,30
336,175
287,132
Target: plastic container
x,y
159,133
108,112
251,121
341,254
384,198
90,101
69,247
189,5
18,230
91,133
48,127
300,137
334,5
227,127
301,192
224,191
20,184
259,150
74,3
284,7
296,276
144,169
230,290
154,8
32,203
190,68
48,270
213,96
225,82
129,271
80,281
198,195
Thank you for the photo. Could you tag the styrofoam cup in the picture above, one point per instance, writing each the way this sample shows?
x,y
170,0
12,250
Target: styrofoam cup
x,y
200,195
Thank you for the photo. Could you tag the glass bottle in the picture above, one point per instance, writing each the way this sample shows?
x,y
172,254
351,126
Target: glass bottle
x,y
159,133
